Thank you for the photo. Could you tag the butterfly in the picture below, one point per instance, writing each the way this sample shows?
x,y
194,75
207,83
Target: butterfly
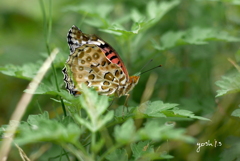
x,y
95,63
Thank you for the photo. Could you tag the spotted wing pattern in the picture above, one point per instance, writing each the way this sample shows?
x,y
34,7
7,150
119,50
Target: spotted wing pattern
x,y
95,63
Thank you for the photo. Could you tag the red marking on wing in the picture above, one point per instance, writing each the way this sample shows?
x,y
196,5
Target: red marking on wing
x,y
115,61
113,53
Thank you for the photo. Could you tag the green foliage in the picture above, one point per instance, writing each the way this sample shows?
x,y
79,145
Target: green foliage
x,y
236,113
142,20
126,133
231,153
94,106
191,39
229,84
143,150
74,131
194,36
27,71
119,154
159,109
47,86
39,128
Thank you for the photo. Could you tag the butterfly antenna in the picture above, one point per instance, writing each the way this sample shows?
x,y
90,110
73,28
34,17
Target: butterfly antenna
x,y
146,64
150,69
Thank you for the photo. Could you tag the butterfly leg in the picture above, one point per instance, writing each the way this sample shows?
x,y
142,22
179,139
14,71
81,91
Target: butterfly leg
x,y
111,103
126,101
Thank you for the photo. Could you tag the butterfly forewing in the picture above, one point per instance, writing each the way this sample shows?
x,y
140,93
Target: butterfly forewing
x,y
77,38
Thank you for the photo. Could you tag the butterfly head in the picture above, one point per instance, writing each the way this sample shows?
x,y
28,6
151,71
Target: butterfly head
x,y
134,79
130,84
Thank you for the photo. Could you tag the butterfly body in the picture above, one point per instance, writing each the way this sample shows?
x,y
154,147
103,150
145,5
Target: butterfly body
x,y
95,63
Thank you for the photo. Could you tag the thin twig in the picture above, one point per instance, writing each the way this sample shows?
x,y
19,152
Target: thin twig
x,y
234,64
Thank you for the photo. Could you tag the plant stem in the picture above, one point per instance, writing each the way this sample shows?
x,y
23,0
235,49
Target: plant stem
x,y
109,151
93,142
81,155
48,28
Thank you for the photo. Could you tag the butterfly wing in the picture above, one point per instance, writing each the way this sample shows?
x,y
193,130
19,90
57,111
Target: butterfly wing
x,y
93,62
77,38
88,64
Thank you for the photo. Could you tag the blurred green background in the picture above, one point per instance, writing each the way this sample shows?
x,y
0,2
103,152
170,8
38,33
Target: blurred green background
x,y
189,72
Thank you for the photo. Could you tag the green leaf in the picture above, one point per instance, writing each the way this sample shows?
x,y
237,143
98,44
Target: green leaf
x,y
141,148
137,16
126,132
156,10
118,154
236,113
34,119
39,128
102,10
186,113
68,98
121,113
195,36
155,129
95,105
118,30
98,17
107,118
162,132
155,109
229,84
27,71
84,122
158,109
